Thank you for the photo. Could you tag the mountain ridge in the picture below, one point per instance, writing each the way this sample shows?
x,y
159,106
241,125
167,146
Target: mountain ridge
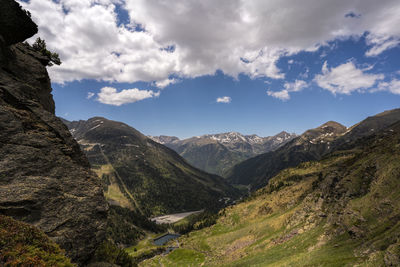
x,y
313,144
216,153
147,173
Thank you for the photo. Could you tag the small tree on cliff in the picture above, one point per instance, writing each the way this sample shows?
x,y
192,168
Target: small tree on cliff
x,y
40,46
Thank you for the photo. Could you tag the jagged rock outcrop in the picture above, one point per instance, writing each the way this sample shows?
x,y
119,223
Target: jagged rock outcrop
x,y
45,179
15,23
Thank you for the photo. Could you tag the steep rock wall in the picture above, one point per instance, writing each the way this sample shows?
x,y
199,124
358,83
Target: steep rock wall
x,y
45,179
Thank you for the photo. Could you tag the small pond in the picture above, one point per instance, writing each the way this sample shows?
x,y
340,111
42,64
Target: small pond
x,y
165,238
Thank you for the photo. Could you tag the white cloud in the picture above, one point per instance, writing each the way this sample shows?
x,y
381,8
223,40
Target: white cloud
x,y
90,95
235,36
383,34
393,86
346,78
110,96
380,45
296,86
282,95
224,99
164,83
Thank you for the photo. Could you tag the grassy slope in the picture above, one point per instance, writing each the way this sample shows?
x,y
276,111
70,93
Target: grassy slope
x,y
24,245
143,175
341,211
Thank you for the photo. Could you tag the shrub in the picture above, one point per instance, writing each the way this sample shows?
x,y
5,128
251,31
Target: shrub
x,y
24,245
40,46
110,253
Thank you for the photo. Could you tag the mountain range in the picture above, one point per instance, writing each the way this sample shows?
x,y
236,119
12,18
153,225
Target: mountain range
x,y
217,153
341,210
311,145
144,175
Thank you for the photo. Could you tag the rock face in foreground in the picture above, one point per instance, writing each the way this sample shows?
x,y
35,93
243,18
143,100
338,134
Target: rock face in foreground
x,y
45,179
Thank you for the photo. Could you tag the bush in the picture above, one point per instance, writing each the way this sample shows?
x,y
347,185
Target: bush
x,y
40,46
24,245
108,252
126,227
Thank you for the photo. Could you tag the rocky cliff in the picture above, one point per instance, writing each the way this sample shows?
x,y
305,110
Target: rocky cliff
x,y
45,179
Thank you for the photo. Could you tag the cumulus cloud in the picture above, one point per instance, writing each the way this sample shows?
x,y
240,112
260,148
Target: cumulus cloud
x,y
110,96
393,86
90,95
224,99
164,83
346,78
284,95
235,36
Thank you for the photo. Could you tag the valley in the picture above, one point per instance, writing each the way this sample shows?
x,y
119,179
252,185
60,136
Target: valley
x,y
98,192
308,205
341,210
293,212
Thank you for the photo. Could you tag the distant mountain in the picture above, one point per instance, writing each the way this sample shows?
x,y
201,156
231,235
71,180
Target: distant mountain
x,y
163,139
308,146
142,174
216,153
311,145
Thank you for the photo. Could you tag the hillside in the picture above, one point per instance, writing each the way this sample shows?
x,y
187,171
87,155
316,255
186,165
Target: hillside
x,y
143,175
341,211
25,245
311,145
217,153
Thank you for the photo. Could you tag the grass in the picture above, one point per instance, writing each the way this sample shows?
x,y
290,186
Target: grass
x,y
103,169
25,245
178,257
341,211
114,193
143,246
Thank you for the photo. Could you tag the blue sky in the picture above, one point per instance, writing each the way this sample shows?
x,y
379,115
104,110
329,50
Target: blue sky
x,y
161,69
